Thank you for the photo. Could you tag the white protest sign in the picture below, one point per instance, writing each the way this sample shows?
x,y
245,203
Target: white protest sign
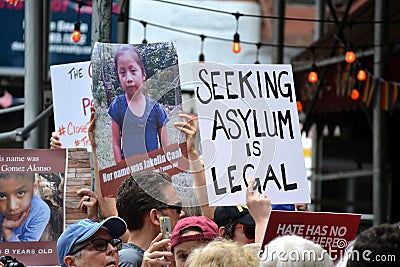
x,y
72,98
249,127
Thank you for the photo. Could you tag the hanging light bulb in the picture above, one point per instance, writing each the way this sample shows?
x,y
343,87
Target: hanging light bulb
x,y
76,34
355,94
313,75
350,56
361,75
236,47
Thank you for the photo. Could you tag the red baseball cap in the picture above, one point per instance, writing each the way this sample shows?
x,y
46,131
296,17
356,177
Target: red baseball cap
x,y
208,227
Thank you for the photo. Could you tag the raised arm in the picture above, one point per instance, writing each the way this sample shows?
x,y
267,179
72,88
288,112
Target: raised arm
x,y
107,205
196,166
259,208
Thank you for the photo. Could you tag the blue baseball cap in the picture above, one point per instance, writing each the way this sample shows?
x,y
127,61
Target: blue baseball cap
x,y
83,230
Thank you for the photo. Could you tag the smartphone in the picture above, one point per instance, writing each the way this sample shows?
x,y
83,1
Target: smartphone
x,y
165,226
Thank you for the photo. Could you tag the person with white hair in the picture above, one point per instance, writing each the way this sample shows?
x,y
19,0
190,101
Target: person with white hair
x,y
294,251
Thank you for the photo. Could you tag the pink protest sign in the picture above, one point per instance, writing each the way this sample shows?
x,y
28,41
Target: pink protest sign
x,y
333,231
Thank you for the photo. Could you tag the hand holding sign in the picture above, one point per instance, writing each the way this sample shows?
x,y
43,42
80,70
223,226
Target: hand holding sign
x,y
106,205
92,124
189,128
55,141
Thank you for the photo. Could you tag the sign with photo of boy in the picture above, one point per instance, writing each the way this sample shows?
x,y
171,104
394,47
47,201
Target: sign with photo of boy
x,y
249,127
31,204
137,97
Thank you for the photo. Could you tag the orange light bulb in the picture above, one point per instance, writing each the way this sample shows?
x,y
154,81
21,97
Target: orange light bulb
x,y
313,77
350,57
355,94
76,36
361,75
236,48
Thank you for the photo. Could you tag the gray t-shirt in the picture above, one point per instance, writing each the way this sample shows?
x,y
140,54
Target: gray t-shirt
x,y
130,255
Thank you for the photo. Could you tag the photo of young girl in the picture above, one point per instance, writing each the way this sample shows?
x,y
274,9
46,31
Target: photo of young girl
x,y
137,96
145,118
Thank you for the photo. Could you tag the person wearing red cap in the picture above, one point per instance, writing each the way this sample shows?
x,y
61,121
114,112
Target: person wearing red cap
x,y
190,233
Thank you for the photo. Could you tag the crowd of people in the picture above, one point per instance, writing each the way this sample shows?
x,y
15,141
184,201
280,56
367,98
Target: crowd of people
x,y
130,235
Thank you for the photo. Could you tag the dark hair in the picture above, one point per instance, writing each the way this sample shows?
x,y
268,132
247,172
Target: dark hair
x,y
229,230
140,193
128,48
18,175
380,240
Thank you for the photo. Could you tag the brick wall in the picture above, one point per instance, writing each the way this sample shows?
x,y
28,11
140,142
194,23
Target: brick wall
x,y
79,174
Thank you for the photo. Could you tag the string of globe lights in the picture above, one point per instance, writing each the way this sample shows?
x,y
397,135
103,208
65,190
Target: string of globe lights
x,y
236,46
236,42
362,75
350,58
365,84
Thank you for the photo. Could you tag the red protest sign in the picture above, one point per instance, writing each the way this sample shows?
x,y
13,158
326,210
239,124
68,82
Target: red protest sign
x,y
333,231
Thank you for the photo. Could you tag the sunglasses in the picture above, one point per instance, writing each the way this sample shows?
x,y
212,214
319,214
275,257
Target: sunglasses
x,y
100,244
177,206
249,231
